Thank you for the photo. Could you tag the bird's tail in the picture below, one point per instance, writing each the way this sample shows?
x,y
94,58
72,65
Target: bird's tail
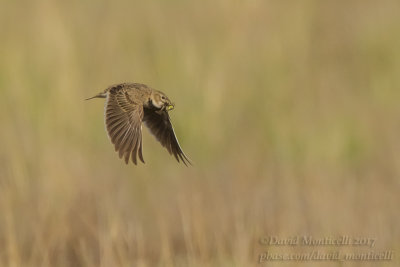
x,y
99,95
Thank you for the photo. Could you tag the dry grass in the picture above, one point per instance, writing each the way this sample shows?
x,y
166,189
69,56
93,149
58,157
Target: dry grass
x,y
290,112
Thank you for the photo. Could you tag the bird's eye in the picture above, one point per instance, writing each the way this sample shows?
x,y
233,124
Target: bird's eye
x,y
163,97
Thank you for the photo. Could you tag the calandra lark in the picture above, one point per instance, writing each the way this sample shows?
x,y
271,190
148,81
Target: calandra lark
x,y
127,106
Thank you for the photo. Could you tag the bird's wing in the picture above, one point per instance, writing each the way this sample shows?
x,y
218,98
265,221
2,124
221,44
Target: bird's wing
x,y
160,126
123,117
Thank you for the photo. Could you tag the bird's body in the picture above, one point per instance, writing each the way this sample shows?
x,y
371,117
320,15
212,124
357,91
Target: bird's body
x,y
127,106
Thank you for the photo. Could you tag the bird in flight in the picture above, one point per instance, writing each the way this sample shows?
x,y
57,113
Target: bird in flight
x,y
127,106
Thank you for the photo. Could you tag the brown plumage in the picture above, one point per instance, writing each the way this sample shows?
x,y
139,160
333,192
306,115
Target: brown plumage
x,y
127,106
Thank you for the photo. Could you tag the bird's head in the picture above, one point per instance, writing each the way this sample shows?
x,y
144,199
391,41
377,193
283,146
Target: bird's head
x,y
161,101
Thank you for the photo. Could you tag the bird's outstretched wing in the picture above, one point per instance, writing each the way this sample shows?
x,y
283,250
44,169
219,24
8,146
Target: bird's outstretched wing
x,y
160,126
123,119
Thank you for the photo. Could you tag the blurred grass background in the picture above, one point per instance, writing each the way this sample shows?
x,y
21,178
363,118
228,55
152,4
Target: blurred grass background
x,y
290,112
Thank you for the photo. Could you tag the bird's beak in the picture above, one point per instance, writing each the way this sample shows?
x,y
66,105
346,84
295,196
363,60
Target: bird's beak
x,y
169,107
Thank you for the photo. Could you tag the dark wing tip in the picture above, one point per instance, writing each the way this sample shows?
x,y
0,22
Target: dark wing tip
x,y
185,160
